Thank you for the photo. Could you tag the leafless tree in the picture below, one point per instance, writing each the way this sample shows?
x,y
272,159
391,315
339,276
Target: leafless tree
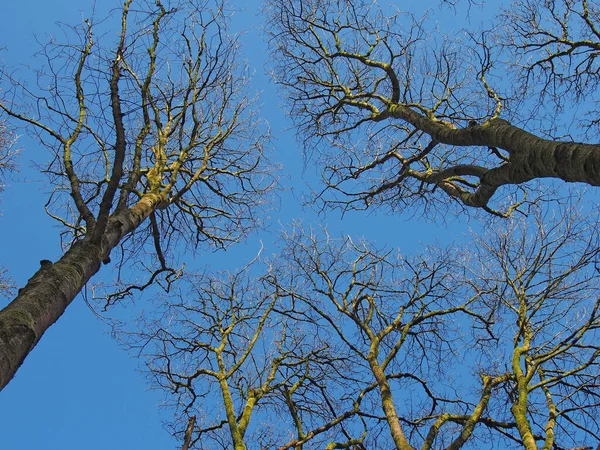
x,y
227,350
542,285
402,322
403,115
348,346
152,140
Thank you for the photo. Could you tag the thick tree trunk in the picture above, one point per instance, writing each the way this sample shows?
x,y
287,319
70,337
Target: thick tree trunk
x,y
530,156
54,286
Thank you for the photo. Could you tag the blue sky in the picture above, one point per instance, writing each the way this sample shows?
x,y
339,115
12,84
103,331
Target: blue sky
x,y
79,389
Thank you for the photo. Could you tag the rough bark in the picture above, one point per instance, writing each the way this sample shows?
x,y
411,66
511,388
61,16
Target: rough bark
x,y
520,408
530,156
54,286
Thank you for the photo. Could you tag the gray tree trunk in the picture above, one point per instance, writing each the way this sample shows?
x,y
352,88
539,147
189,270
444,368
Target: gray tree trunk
x,y
53,287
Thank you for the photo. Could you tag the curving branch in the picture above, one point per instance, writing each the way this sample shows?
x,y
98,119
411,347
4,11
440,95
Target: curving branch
x,y
369,93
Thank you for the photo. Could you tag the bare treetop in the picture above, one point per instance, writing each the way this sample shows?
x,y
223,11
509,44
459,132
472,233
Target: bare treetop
x,y
401,115
152,139
160,112
554,46
343,345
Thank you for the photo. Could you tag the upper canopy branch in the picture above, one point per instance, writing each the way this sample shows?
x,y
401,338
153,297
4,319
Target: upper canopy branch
x,y
356,77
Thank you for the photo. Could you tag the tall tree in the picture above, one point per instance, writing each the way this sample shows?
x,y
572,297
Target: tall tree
x,y
152,140
392,317
228,349
403,114
541,285
346,346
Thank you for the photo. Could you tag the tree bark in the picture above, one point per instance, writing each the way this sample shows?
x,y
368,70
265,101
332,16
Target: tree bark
x,y
236,435
530,156
188,433
53,287
388,407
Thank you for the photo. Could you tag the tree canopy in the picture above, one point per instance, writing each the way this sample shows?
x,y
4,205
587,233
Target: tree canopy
x,y
152,134
403,114
351,346
156,151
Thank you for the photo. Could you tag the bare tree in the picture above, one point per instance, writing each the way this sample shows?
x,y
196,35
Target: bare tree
x,y
226,350
402,114
346,346
397,320
542,285
152,140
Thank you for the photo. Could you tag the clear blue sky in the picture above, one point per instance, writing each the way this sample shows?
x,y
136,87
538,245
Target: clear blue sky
x,y
79,389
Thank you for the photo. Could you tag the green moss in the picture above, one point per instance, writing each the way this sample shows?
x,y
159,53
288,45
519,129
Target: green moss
x,y
15,317
17,332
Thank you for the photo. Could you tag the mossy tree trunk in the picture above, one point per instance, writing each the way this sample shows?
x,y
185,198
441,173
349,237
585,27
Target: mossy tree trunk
x,y
54,286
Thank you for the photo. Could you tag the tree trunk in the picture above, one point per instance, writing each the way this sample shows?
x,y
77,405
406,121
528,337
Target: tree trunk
x,y
530,156
236,436
388,407
188,433
53,287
